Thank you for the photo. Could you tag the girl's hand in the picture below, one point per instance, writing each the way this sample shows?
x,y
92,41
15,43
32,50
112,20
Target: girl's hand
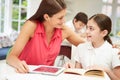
x,y
68,65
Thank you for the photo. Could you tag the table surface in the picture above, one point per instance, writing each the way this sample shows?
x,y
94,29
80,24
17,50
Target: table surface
x,y
8,73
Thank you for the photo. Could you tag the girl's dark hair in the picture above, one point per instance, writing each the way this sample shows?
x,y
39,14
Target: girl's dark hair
x,y
80,16
104,23
49,7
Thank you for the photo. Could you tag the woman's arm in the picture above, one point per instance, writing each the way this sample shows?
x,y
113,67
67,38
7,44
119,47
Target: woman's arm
x,y
114,74
71,36
26,33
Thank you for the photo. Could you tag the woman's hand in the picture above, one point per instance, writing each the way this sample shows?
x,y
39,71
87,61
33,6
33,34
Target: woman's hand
x,y
22,67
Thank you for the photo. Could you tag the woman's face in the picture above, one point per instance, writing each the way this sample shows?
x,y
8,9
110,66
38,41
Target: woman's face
x,y
94,34
58,19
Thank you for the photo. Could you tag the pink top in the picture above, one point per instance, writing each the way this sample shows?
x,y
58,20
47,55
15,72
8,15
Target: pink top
x,y
38,52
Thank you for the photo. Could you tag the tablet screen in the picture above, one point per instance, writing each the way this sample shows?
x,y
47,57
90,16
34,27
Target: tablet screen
x,y
43,69
47,69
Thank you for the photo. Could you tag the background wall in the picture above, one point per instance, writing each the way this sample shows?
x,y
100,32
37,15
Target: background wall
x,y
32,7
89,7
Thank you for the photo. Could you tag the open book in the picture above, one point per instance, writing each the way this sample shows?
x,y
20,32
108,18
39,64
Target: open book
x,y
49,70
99,73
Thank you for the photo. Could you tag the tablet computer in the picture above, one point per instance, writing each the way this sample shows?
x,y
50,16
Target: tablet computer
x,y
49,70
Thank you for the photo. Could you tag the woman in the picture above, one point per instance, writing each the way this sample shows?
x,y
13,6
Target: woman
x,y
40,38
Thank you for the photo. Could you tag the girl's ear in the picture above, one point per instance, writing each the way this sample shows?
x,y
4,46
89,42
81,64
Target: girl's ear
x,y
104,32
46,17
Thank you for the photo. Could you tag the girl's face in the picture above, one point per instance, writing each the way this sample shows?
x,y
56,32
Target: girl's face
x,y
78,25
58,19
94,34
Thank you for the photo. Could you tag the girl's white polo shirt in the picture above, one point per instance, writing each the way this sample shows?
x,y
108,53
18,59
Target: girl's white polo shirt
x,y
105,55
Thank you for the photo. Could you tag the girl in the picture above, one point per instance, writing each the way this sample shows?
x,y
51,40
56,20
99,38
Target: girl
x,y
98,53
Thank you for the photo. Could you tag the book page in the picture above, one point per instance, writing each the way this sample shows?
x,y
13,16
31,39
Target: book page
x,y
74,71
99,73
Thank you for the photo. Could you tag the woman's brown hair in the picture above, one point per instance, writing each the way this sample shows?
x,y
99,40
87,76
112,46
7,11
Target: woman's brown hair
x,y
49,7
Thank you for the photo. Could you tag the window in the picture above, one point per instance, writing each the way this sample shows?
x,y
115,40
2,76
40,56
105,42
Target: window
x,y
112,9
13,13
2,12
19,13
107,9
118,17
